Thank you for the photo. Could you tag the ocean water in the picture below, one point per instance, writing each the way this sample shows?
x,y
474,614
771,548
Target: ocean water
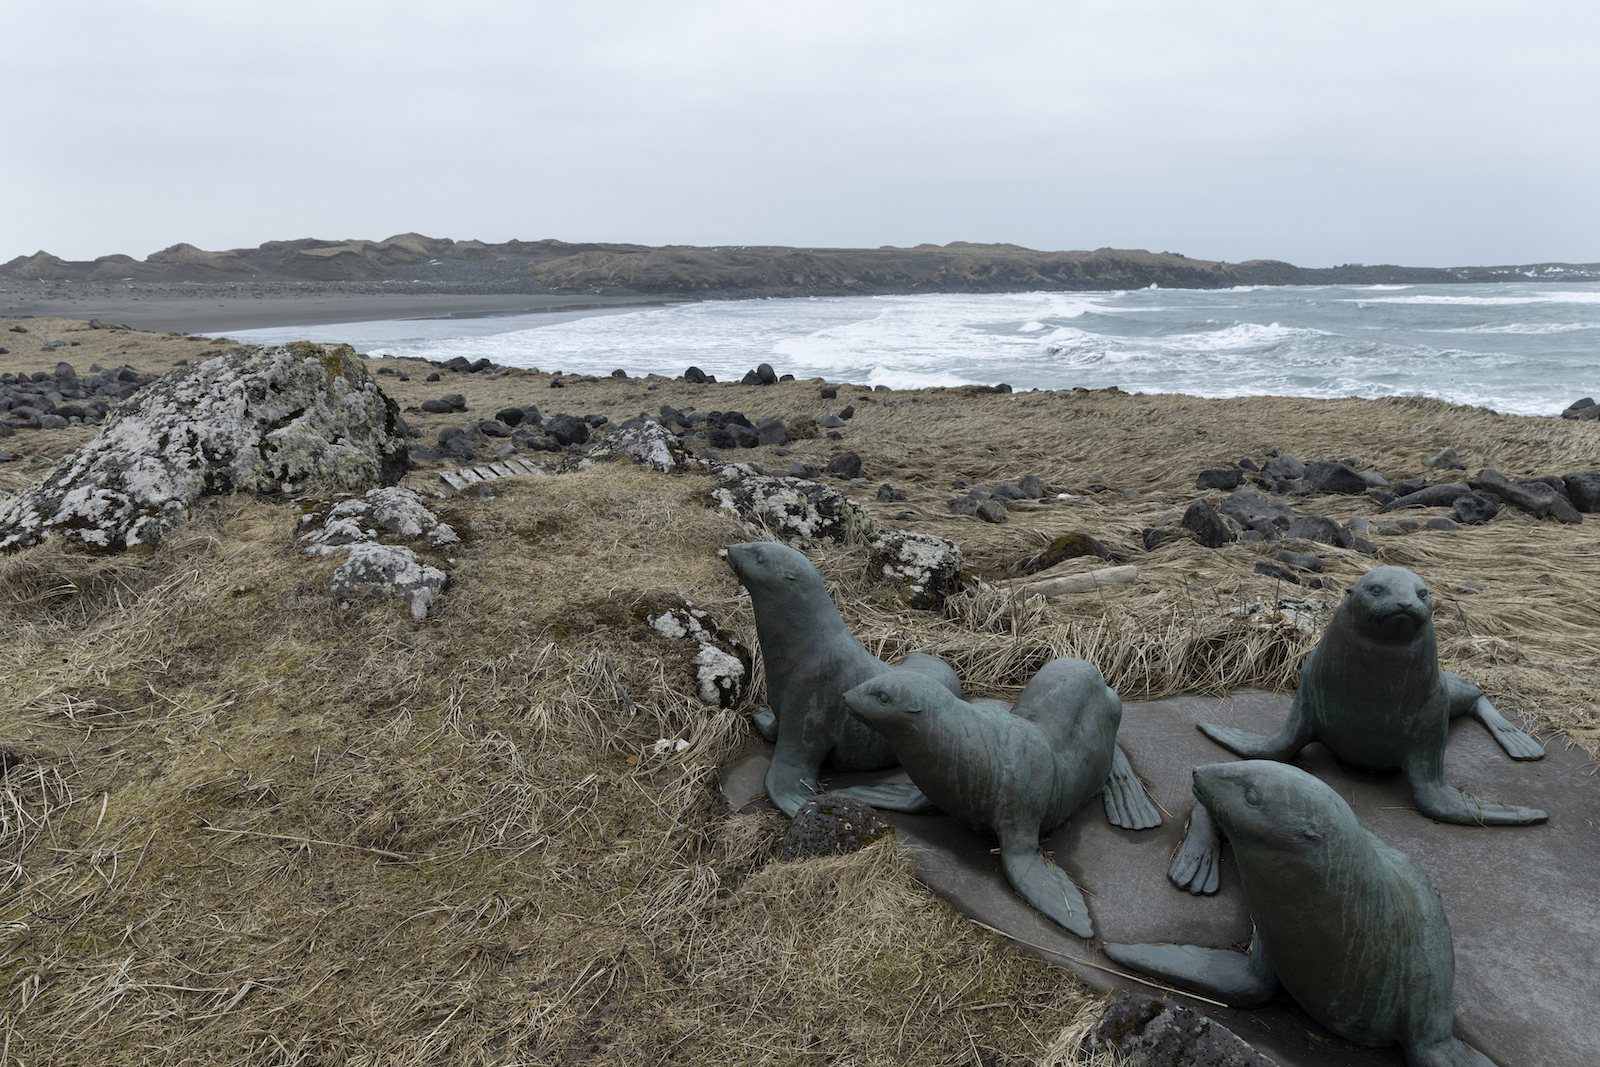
x,y
1528,348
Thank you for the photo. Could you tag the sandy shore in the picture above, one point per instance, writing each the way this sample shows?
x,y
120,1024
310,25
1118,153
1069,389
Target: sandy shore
x,y
218,309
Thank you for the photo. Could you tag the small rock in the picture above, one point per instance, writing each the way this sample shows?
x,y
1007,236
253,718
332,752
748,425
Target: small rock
x,y
1583,489
801,469
1300,561
1272,570
1432,496
750,378
926,569
1474,508
848,411
830,421
1145,1030
827,825
772,431
1536,498
828,392
1032,486
1153,537
1283,467
696,376
620,373
1222,478
1319,528
1249,464
766,375
991,511
1208,527
847,464
1584,410
1439,522
568,430
432,377
437,407
887,494
1445,460
1334,478
1060,549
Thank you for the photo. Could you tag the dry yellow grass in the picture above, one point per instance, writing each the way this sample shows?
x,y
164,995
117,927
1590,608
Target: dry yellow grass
x,y
252,826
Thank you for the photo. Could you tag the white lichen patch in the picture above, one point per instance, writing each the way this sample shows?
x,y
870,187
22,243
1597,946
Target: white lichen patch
x,y
258,420
719,666
796,510
720,675
651,444
354,526
926,568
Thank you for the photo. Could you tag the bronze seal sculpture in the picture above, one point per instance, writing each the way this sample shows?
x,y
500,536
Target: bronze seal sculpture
x,y
1016,772
1373,693
1349,927
811,660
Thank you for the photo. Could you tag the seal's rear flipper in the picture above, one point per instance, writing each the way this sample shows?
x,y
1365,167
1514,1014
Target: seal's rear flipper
x,y
1232,977
1258,746
1047,887
1517,744
1127,805
902,796
1198,864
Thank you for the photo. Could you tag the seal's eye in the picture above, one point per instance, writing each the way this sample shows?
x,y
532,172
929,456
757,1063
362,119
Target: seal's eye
x,y
1378,590
1252,796
1422,594
883,698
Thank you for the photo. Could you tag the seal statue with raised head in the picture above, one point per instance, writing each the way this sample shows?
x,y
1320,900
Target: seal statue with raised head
x,y
1373,694
811,659
1347,926
1015,772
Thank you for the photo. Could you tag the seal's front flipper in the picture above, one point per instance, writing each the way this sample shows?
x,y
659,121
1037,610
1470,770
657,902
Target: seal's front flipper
x,y
1291,739
901,796
790,782
1127,805
1197,866
1235,979
1046,886
766,724
1438,799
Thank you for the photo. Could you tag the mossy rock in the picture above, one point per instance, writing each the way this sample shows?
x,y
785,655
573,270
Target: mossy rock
x,y
1060,549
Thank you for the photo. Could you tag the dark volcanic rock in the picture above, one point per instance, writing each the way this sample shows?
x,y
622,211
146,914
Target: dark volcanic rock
x,y
847,464
1474,508
772,431
1284,467
801,469
991,511
1031,485
1537,498
766,375
1584,410
568,429
1208,527
1583,489
1434,496
1319,528
1334,478
888,494
829,826
1272,570
695,375
1150,1030
1300,561
1222,478
1256,512
1060,549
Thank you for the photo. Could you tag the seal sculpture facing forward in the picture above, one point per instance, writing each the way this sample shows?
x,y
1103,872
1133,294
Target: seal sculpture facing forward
x,y
1347,926
811,660
1016,772
1373,694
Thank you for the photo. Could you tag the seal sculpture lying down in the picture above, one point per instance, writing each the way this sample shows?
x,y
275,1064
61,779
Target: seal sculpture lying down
x,y
1349,927
811,659
1373,693
1016,772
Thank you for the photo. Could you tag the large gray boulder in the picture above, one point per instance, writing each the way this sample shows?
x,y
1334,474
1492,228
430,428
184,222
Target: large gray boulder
x,y
258,420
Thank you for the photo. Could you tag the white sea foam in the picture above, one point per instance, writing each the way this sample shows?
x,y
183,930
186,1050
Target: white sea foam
x,y
1517,347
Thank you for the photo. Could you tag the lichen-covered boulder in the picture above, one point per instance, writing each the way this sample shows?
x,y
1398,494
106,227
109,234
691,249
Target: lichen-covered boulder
x,y
718,663
651,444
795,510
924,569
258,420
830,826
355,525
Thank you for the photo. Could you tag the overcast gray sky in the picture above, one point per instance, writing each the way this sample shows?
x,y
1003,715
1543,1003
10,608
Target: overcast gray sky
x,y
1428,132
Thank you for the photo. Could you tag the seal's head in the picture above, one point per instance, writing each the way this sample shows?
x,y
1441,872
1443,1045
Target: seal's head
x,y
895,701
766,567
1272,804
1389,605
